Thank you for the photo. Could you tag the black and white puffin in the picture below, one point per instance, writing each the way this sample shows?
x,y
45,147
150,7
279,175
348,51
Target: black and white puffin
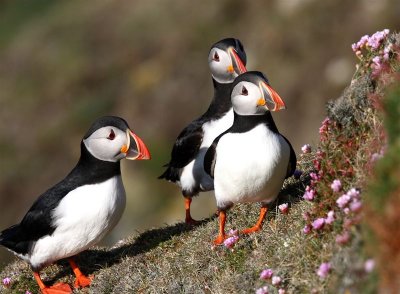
x,y
81,209
250,161
227,59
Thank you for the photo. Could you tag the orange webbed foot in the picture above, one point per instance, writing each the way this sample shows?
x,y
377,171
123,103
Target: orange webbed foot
x,y
219,240
83,281
251,230
59,288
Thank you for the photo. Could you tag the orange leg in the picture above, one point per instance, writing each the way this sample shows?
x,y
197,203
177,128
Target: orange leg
x,y
59,288
259,223
221,236
81,279
188,218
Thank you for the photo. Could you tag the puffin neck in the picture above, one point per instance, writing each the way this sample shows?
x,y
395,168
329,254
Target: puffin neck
x,y
244,123
221,102
94,169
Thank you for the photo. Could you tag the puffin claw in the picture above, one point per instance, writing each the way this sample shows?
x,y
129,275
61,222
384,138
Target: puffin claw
x,y
59,288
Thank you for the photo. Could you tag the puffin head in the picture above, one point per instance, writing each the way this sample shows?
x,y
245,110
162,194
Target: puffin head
x,y
110,139
252,95
227,60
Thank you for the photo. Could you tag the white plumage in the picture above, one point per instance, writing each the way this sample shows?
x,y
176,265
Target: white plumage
x,y
82,218
250,167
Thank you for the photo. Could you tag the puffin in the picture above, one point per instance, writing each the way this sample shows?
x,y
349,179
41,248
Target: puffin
x,y
81,209
226,60
250,161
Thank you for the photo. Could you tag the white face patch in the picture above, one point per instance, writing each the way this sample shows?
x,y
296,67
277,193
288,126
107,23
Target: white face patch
x,y
105,143
245,96
220,62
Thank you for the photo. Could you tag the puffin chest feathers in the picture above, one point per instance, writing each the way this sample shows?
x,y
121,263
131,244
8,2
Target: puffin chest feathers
x,y
250,166
82,218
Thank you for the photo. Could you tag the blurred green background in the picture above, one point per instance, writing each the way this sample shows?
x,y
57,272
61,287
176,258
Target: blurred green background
x,y
65,63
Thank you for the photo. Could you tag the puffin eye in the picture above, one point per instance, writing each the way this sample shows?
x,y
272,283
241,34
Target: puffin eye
x,y
216,57
111,136
244,91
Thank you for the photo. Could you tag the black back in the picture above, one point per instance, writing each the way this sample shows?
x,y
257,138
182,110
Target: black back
x,y
38,220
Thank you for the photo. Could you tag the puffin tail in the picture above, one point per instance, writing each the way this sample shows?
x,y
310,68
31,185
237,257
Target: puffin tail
x,y
9,239
171,174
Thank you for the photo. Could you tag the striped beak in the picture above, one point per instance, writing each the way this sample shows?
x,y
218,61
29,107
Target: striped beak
x,y
271,100
135,149
237,64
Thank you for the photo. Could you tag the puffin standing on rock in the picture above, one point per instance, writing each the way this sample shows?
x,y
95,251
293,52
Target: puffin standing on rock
x,y
250,161
81,209
227,59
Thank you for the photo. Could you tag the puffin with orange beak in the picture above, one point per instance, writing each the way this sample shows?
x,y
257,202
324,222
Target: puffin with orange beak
x,y
80,210
227,60
250,161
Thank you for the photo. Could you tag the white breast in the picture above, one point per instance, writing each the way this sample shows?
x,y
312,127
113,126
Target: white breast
x,y
250,167
193,174
82,219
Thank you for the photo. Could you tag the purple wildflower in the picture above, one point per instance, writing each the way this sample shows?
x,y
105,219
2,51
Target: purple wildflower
x,y
369,265
28,292
266,274
336,185
306,148
307,229
330,217
343,200
353,193
318,223
314,176
284,208
276,280
230,242
7,281
324,269
263,290
309,194
355,206
281,291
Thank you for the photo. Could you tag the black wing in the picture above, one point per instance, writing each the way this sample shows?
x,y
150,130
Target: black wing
x,y
211,156
185,149
38,220
292,160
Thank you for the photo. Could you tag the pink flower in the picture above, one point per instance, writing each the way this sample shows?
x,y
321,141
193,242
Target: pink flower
x,y
7,282
28,292
266,274
330,217
233,233
307,229
336,185
306,216
230,242
355,206
284,208
263,290
343,200
324,269
309,194
306,148
343,238
353,193
369,265
281,291
276,280
314,176
318,223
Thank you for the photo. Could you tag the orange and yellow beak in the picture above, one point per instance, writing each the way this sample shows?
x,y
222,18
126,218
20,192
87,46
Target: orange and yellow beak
x,y
135,149
238,65
270,99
